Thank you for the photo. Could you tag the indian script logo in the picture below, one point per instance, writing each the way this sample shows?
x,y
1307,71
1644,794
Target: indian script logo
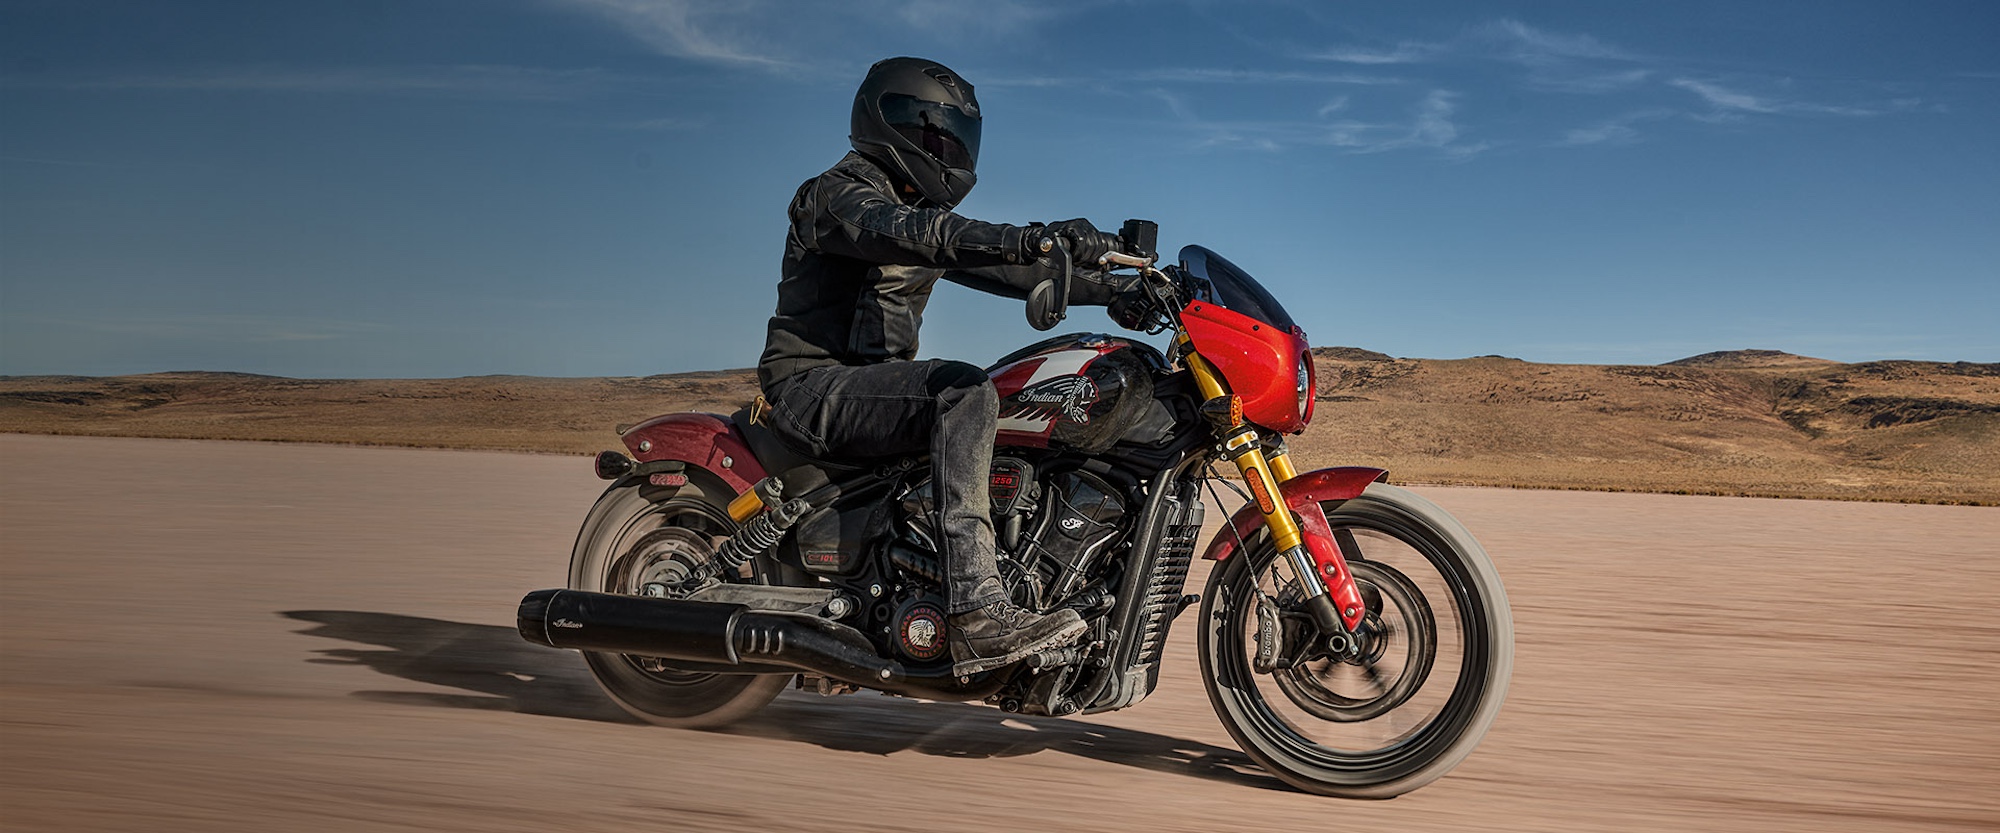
x,y
1065,397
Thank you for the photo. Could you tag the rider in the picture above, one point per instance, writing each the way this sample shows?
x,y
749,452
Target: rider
x,y
869,239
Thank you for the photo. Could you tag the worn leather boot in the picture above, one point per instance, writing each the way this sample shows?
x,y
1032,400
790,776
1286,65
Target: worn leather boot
x,y
1001,633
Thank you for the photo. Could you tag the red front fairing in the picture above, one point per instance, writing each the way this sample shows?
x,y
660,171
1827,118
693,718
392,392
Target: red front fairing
x,y
1259,360
705,440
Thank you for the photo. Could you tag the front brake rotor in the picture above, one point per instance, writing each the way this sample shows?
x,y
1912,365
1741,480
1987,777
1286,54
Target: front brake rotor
x,y
1397,614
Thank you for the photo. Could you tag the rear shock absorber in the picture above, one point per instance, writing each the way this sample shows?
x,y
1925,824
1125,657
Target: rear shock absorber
x,y
757,536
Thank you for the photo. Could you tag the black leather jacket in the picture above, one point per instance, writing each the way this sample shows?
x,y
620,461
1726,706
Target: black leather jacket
x,y
860,265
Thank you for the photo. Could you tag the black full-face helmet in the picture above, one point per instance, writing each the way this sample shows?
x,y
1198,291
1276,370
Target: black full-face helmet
x,y
920,121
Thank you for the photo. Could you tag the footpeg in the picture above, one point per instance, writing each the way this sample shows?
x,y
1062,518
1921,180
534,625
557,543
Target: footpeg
x,y
827,687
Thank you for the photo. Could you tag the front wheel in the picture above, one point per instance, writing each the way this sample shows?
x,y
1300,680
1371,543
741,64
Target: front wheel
x,y
1437,651
637,544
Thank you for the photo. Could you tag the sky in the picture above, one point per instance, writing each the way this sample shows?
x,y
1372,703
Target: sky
x,y
441,188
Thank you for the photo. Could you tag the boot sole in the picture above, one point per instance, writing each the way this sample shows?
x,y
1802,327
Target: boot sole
x,y
1061,637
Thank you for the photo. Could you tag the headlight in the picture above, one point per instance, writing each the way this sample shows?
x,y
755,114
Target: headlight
x,y
1305,388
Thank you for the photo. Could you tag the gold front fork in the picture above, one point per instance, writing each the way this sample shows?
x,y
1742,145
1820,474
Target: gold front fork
x,y
1262,473
1280,458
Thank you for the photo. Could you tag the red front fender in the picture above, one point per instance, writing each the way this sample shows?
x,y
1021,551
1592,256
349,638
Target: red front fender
x,y
1304,494
705,440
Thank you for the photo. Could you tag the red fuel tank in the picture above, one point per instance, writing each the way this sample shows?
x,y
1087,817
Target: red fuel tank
x,y
1082,392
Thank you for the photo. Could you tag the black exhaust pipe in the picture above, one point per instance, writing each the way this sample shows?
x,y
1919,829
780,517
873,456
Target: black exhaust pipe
x,y
709,633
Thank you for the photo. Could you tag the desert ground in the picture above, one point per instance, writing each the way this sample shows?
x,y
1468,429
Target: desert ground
x,y
230,636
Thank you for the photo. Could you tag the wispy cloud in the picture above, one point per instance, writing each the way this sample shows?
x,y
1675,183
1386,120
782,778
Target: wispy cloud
x,y
1589,81
1174,104
1406,52
989,16
1550,61
1562,62
451,81
1190,75
1615,131
1723,99
1202,75
686,29
1529,45
1503,40
1431,126
1729,103
1533,59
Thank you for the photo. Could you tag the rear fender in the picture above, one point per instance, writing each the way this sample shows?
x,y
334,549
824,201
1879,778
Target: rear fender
x,y
705,441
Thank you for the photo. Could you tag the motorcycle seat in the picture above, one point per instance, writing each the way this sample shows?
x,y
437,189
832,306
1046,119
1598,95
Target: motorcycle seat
x,y
800,473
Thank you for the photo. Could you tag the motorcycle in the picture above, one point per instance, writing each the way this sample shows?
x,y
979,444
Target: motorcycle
x,y
1353,637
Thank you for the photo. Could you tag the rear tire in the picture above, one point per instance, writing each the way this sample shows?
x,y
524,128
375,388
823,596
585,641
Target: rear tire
x,y
621,538
1415,705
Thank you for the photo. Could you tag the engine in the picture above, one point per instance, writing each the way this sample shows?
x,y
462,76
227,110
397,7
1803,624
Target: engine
x,y
1052,529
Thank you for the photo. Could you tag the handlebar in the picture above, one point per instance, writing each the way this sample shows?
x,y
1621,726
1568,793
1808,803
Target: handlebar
x,y
1048,302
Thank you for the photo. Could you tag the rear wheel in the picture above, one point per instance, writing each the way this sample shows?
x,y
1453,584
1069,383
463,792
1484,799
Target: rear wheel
x,y
634,545
1437,649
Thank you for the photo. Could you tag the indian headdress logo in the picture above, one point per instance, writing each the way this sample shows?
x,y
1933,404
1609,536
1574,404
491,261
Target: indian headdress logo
x,y
1049,389
1065,397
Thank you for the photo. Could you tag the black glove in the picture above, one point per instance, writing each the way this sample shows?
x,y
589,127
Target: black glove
x,y
1086,243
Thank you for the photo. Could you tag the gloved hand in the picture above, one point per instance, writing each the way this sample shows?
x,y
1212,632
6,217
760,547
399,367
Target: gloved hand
x,y
1086,243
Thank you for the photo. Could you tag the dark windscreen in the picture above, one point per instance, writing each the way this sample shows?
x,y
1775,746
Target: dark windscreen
x,y
1232,288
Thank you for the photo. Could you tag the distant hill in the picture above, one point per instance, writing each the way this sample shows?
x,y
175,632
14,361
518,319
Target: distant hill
x,y
1351,354
1748,358
1746,422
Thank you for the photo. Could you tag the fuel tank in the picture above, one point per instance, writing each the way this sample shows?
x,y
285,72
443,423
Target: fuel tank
x,y
1082,392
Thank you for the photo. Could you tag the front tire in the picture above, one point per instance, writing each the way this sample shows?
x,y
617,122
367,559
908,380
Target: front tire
x,y
627,538
1410,708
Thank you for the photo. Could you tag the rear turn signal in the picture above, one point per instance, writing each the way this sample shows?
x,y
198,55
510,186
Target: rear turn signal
x,y
612,465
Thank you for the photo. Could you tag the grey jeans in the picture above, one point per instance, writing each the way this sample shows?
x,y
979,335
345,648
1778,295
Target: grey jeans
x,y
899,408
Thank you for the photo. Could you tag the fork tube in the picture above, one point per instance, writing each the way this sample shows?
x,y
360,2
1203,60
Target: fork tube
x,y
1280,458
1243,448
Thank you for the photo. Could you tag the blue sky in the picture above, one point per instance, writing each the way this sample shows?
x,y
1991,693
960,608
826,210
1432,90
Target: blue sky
x,y
422,188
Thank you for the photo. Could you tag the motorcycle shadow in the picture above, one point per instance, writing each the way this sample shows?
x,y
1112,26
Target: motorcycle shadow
x,y
508,674
880,725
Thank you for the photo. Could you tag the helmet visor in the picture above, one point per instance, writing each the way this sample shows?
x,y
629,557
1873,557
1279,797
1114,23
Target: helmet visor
x,y
942,130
